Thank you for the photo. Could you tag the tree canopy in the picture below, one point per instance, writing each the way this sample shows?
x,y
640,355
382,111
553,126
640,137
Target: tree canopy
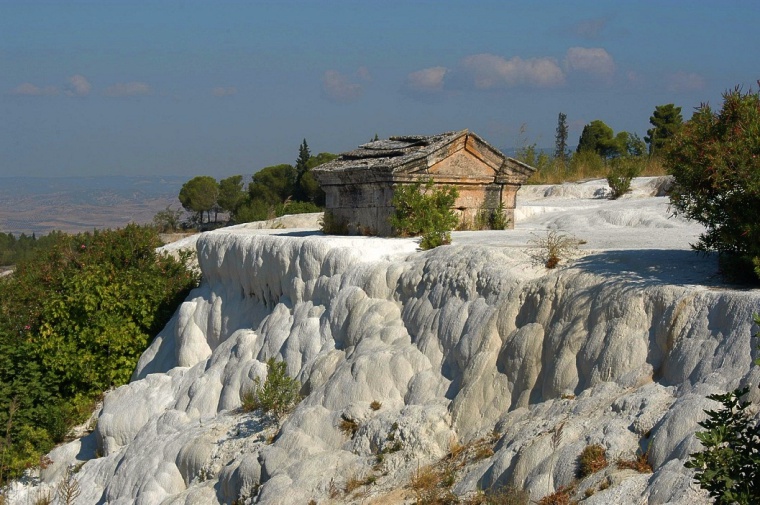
x,y
715,160
666,121
199,195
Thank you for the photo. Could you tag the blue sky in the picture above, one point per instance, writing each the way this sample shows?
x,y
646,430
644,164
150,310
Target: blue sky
x,y
221,88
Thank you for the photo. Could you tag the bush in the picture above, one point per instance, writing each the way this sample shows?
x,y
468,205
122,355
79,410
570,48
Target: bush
x,y
277,396
622,172
715,160
427,212
331,225
74,320
729,467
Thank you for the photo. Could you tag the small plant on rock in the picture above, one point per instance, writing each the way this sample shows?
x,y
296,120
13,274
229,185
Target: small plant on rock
x,y
553,248
640,463
349,427
375,405
277,396
560,497
592,459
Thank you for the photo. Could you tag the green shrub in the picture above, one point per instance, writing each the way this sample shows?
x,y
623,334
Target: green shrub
x,y
74,319
729,467
331,225
277,396
622,172
715,160
491,219
425,211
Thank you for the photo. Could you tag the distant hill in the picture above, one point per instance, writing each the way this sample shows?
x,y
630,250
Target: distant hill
x,y
75,204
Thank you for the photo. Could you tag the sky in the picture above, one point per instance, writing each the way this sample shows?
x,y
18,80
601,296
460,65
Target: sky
x,y
221,88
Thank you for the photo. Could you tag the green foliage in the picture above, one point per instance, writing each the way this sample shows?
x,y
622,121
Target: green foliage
x,y
729,466
15,249
666,121
622,171
231,194
715,159
427,212
597,137
272,185
491,219
331,225
199,195
168,220
560,141
302,167
277,396
73,322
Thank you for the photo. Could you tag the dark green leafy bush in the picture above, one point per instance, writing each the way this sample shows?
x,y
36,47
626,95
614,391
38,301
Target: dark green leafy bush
x,y
425,211
715,160
729,467
74,319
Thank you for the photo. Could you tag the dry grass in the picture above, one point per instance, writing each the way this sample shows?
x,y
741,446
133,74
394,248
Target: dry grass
x,y
592,459
375,405
349,427
590,167
430,489
553,248
640,463
560,497
353,483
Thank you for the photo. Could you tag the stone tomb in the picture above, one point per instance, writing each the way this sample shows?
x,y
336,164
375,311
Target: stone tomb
x,y
359,184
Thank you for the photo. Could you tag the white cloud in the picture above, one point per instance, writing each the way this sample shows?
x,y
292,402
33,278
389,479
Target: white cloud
x,y
30,89
683,81
593,61
79,86
339,88
133,88
426,80
224,91
489,71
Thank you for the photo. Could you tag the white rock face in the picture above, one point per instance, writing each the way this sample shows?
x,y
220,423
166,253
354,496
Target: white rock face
x,y
618,348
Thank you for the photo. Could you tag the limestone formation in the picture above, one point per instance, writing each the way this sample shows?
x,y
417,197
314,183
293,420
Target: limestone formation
x,y
465,344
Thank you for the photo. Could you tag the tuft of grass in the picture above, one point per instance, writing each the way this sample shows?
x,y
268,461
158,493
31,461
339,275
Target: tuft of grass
x,y
640,463
349,427
560,497
592,459
483,452
375,405
353,483
553,248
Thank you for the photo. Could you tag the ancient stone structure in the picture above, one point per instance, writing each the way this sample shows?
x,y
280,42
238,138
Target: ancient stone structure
x,y
360,184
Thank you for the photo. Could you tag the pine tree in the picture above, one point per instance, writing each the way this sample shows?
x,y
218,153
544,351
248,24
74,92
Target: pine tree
x,y
560,149
302,166
666,121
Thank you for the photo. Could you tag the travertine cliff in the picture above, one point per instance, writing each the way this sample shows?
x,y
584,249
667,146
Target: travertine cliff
x,y
468,342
